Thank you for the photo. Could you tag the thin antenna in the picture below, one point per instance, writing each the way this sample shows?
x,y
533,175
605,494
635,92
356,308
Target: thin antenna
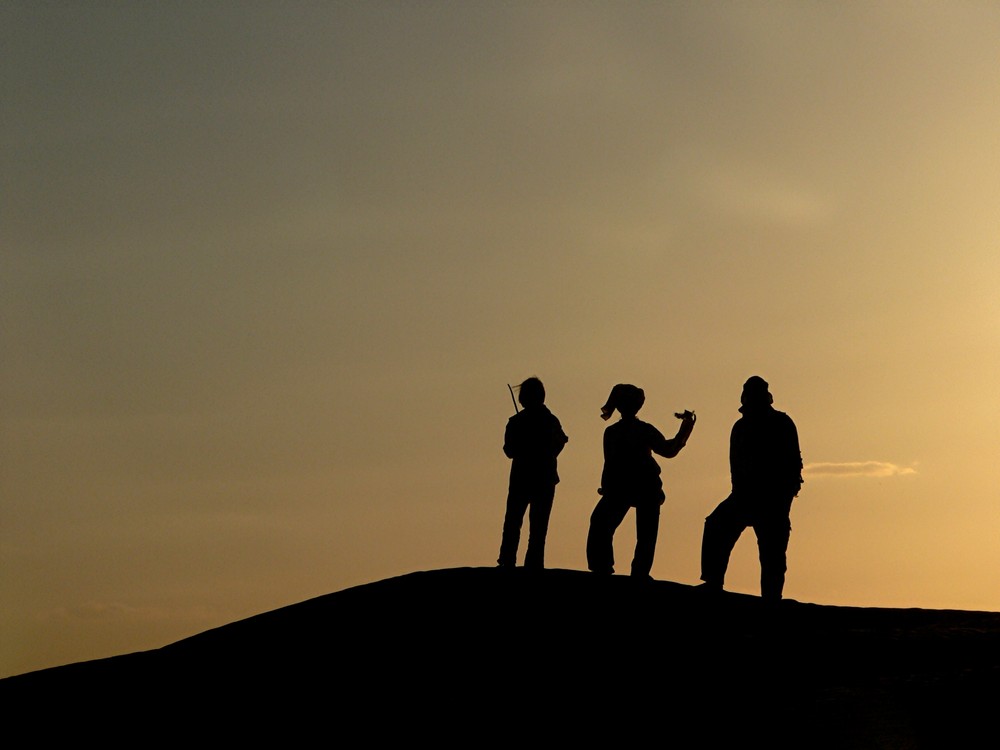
x,y
512,398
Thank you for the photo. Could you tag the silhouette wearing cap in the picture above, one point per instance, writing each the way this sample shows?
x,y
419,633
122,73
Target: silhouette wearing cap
x,y
533,440
631,479
766,469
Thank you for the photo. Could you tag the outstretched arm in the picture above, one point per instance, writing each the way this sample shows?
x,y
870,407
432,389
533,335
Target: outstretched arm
x,y
670,448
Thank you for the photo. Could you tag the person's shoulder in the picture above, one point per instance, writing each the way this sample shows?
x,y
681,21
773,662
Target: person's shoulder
x,y
534,415
783,416
615,427
538,411
781,420
546,414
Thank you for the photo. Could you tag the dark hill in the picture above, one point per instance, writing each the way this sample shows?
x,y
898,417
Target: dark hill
x,y
477,657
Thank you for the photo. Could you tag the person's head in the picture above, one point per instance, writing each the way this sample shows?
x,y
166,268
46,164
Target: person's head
x,y
626,398
755,393
531,392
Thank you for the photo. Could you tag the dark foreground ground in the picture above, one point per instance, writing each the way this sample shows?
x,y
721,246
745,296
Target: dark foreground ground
x,y
480,657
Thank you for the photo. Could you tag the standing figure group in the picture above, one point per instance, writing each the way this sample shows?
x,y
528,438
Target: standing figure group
x,y
765,465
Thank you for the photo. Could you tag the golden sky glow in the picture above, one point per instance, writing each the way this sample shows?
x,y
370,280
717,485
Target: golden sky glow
x,y
267,269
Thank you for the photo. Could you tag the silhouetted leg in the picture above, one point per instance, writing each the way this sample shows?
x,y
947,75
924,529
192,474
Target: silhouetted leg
x,y
722,530
772,548
517,503
604,521
647,524
538,526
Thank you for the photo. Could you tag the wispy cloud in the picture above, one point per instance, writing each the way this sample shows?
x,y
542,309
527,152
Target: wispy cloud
x,y
879,469
755,192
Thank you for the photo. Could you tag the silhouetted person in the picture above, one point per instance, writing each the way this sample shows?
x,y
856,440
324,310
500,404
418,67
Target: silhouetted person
x,y
533,440
766,468
631,479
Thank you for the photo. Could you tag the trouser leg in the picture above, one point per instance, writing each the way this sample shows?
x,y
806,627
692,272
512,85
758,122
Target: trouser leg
x,y
539,511
517,503
647,524
772,548
722,530
604,521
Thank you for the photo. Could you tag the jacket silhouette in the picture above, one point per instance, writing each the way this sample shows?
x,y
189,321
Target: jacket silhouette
x,y
765,465
533,440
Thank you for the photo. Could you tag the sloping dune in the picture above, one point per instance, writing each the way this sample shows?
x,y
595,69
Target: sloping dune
x,y
480,657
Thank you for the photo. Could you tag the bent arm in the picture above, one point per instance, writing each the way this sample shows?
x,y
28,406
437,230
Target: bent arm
x,y
670,448
559,438
795,456
511,443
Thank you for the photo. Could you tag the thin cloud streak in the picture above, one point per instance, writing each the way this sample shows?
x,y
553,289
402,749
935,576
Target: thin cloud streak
x,y
878,469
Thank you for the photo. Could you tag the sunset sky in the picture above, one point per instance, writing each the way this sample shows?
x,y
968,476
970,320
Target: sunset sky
x,y
267,269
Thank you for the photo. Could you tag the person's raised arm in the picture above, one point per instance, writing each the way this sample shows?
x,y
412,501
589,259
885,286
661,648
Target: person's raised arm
x,y
670,448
